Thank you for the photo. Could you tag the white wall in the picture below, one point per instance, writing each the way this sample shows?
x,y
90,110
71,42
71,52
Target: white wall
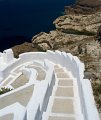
x,y
16,109
71,63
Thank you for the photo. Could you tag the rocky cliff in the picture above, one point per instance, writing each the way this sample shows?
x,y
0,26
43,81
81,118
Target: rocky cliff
x,y
84,7
75,33
84,24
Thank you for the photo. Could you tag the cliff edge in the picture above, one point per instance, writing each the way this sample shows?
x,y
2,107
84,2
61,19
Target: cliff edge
x,y
84,7
76,33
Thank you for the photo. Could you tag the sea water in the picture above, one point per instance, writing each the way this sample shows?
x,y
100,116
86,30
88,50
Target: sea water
x,y
20,20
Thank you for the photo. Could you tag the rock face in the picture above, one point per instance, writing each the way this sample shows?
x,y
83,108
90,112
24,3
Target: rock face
x,y
79,23
85,47
84,7
76,34
25,47
82,46
56,40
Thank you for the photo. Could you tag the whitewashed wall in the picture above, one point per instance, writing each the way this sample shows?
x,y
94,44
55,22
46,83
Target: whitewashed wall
x,y
39,99
16,109
73,64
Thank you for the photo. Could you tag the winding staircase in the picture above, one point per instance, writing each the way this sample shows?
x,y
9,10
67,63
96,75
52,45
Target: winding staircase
x,y
46,86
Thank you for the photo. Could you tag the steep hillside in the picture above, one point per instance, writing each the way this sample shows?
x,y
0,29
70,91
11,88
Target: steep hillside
x,y
75,33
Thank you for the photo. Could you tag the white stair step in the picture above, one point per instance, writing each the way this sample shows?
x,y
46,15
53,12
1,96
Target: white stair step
x,y
64,99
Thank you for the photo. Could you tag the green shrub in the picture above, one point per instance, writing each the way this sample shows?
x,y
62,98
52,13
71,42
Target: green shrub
x,y
4,90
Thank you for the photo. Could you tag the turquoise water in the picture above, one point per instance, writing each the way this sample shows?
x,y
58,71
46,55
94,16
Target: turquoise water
x,y
21,19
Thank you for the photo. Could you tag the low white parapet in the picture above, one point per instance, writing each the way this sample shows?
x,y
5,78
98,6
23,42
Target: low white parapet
x,y
41,90
90,106
13,112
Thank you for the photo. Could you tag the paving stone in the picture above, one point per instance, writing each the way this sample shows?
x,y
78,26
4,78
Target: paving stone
x,y
63,106
65,79
7,117
56,66
41,72
20,81
59,70
23,96
65,83
60,118
62,75
64,92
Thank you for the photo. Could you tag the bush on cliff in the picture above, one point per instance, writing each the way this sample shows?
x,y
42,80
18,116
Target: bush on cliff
x,y
4,90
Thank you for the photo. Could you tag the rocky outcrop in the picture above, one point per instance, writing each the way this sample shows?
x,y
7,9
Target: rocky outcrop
x,y
79,24
56,40
83,46
75,33
84,7
25,47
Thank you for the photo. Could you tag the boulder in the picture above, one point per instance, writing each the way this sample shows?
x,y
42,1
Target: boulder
x,y
43,47
79,24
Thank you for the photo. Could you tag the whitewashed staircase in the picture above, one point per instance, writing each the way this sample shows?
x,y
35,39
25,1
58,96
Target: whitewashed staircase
x,y
63,94
64,103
